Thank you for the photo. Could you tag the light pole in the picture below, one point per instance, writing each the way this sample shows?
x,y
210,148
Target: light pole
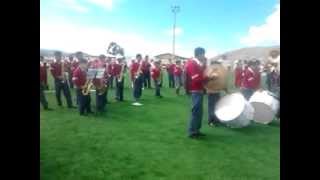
x,y
175,9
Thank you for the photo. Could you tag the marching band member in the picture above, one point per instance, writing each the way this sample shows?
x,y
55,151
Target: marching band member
x,y
170,70
80,81
249,81
100,85
46,65
119,78
58,72
257,74
146,72
215,81
156,76
137,77
178,76
70,64
43,81
194,85
238,74
111,72
107,76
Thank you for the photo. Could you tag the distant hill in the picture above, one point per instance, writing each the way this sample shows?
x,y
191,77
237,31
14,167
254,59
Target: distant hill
x,y
49,52
261,53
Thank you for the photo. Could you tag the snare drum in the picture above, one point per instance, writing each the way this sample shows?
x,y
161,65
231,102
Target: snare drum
x,y
234,111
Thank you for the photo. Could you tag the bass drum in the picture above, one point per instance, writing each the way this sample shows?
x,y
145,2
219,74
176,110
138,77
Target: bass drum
x,y
234,111
266,106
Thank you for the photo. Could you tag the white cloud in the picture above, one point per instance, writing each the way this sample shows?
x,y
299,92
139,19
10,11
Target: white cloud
x,y
265,34
188,51
69,37
59,34
74,4
107,4
178,31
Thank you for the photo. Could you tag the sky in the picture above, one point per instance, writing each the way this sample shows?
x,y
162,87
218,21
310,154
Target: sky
x,y
146,26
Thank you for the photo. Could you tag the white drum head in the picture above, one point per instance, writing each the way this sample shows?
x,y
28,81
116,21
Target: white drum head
x,y
265,106
230,107
263,113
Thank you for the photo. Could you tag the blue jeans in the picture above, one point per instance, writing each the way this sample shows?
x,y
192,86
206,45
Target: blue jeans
x,y
196,113
213,98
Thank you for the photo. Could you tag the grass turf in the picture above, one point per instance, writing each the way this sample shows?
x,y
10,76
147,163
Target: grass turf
x,y
149,142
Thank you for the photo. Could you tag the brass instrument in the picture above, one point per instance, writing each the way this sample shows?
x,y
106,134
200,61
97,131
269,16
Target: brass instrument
x,y
101,90
88,86
63,72
121,72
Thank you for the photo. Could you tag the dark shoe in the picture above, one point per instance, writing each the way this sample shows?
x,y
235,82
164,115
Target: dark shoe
x,y
211,124
200,134
193,136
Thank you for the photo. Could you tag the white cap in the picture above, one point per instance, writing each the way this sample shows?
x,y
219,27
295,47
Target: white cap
x,y
118,56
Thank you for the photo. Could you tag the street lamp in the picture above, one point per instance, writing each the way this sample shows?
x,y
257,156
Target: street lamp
x,y
175,9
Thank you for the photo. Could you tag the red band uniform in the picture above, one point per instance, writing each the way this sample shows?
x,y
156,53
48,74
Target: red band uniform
x,y
156,76
178,77
79,79
119,80
170,70
43,78
99,83
61,84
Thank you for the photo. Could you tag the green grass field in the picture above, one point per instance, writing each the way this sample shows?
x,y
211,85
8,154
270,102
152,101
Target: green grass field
x,y
150,143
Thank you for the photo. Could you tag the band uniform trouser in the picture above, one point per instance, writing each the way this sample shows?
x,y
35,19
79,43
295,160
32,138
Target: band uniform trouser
x,y
70,80
146,80
110,81
213,98
157,87
119,90
178,82
247,93
196,113
100,101
43,99
137,87
84,102
171,81
63,86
